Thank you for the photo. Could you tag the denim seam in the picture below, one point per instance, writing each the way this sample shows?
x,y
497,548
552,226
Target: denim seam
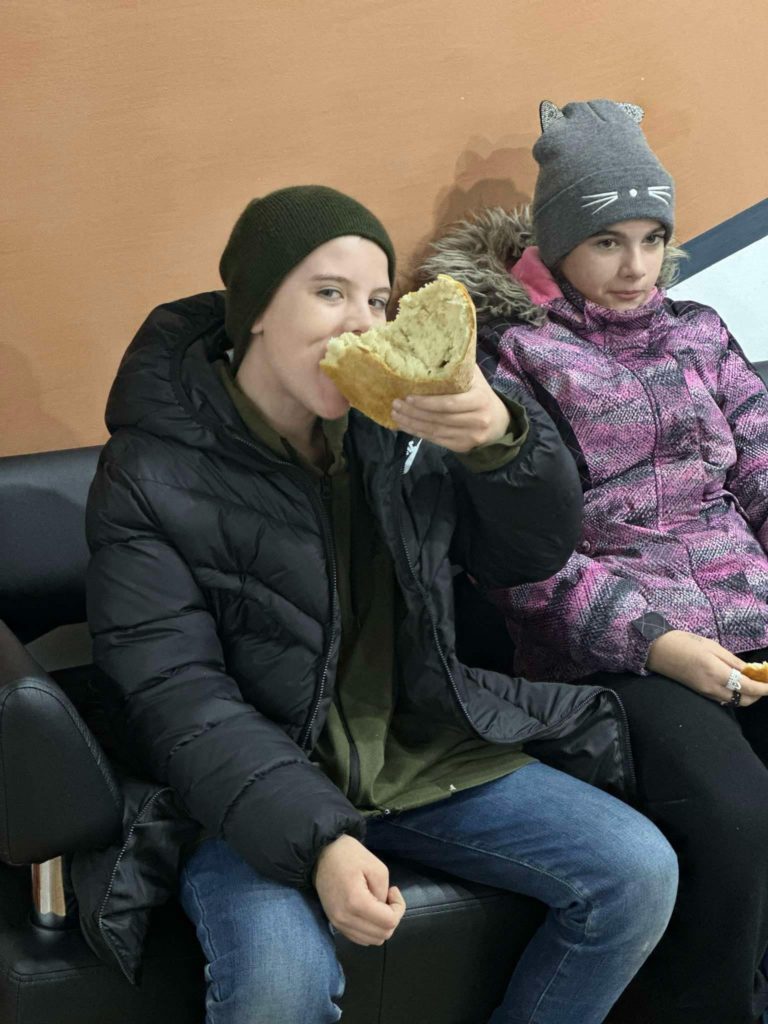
x,y
490,853
566,957
204,925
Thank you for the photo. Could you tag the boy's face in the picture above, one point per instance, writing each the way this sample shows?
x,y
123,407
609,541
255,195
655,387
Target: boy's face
x,y
341,286
617,268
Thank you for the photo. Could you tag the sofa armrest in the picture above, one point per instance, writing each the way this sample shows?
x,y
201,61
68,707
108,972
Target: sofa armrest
x,y
58,794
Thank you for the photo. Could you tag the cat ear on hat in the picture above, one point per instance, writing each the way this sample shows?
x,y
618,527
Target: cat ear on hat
x,y
632,110
548,114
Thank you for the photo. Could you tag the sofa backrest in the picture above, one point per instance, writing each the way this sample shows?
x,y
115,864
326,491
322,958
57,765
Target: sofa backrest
x,y
43,554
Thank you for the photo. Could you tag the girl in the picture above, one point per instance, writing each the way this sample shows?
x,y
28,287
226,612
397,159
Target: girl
x,y
666,595
270,597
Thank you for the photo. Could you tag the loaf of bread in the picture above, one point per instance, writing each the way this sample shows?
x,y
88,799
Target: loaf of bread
x,y
756,670
428,349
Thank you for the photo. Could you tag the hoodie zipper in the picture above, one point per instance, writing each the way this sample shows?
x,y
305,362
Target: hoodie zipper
x,y
353,785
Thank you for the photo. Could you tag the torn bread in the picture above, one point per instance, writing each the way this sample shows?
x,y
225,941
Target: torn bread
x,y
428,349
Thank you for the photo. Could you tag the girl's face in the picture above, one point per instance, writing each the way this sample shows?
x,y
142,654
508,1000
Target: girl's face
x,y
618,267
343,285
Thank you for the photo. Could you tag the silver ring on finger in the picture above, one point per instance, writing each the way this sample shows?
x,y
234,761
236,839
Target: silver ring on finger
x,y
734,681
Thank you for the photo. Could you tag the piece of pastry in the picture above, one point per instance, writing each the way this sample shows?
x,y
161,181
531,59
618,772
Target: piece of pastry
x,y
428,349
756,670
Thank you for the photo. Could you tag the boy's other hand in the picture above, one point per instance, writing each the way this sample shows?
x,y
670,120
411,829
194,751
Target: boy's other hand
x,y
354,890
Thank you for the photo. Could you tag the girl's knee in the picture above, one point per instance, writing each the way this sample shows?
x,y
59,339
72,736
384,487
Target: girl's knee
x,y
737,824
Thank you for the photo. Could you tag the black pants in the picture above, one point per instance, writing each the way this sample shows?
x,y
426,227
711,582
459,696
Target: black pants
x,y
703,784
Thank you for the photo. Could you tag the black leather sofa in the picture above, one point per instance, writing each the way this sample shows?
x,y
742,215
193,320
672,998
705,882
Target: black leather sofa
x,y
447,963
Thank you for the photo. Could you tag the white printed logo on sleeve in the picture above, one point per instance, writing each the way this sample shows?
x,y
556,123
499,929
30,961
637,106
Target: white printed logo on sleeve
x,y
410,453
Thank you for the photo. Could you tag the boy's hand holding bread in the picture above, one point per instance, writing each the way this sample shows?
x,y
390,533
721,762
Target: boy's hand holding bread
x,y
418,372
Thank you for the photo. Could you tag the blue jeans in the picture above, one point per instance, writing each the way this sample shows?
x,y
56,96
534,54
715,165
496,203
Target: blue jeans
x,y
607,874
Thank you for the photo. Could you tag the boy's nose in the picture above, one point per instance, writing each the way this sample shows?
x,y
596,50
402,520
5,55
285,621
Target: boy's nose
x,y
359,319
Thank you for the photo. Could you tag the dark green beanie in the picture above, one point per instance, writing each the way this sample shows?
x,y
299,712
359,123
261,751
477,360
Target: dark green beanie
x,y
273,235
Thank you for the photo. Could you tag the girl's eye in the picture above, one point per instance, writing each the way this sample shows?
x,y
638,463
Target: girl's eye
x,y
606,243
379,304
330,293
655,238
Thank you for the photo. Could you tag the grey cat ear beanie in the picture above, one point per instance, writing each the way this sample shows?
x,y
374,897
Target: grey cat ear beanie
x,y
595,169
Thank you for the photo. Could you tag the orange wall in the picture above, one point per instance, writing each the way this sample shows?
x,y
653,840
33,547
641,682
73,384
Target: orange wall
x,y
134,131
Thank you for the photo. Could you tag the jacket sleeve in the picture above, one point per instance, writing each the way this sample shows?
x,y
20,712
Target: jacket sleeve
x,y
520,522
235,771
588,613
743,400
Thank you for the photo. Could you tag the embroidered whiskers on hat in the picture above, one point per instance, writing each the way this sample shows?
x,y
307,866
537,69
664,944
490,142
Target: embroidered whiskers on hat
x,y
595,169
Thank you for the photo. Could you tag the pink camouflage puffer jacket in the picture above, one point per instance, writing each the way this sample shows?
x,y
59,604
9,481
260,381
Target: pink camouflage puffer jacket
x,y
668,424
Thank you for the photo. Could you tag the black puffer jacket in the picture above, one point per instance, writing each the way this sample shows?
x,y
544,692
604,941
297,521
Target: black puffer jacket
x,y
212,602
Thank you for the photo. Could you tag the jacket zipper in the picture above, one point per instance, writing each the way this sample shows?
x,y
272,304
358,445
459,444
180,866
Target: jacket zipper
x,y
126,843
422,593
627,744
624,724
354,757
330,552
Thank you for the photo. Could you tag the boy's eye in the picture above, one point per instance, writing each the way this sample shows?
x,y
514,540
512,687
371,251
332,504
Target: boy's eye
x,y
330,293
606,243
656,237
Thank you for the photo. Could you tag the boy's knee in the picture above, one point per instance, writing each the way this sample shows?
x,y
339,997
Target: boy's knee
x,y
291,989
644,880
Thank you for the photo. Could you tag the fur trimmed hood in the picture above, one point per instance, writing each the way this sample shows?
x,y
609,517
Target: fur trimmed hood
x,y
480,251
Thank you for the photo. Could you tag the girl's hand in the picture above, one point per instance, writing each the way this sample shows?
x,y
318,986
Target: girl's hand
x,y
701,664
457,422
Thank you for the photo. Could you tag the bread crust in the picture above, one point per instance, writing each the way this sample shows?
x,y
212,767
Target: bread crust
x,y
757,670
371,386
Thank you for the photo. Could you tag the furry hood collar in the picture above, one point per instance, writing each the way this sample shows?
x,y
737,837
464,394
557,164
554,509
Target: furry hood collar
x,y
480,252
